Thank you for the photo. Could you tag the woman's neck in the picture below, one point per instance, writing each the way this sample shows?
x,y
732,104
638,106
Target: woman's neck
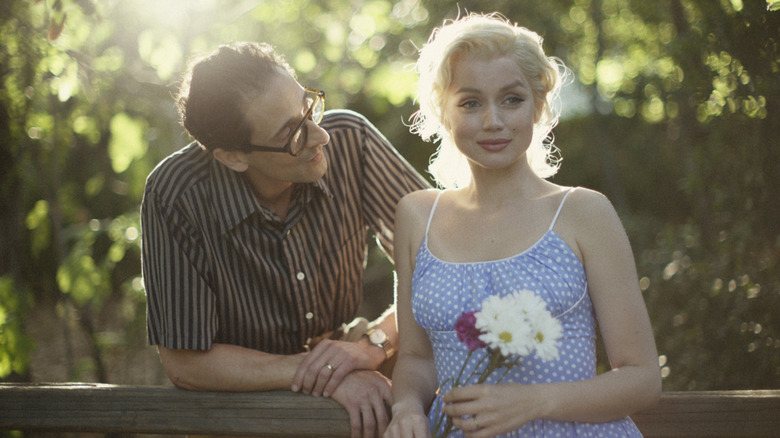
x,y
490,187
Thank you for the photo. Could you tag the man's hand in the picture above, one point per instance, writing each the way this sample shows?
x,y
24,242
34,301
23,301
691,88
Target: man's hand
x,y
326,366
366,395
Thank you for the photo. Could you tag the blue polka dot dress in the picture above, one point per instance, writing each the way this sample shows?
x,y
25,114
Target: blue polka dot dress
x,y
442,291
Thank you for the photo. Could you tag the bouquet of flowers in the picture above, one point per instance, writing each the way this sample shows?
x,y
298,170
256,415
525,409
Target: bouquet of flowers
x,y
509,328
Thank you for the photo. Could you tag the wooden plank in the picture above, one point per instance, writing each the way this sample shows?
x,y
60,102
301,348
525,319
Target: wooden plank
x,y
81,407
89,407
713,414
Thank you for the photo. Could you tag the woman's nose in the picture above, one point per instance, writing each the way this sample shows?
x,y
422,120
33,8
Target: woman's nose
x,y
492,117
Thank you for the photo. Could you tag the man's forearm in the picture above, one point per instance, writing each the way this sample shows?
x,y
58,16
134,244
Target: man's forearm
x,y
386,322
229,368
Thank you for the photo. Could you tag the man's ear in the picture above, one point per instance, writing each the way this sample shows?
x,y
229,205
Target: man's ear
x,y
234,160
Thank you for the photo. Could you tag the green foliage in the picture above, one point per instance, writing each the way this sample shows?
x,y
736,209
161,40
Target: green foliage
x,y
15,343
705,227
85,274
678,103
709,297
127,141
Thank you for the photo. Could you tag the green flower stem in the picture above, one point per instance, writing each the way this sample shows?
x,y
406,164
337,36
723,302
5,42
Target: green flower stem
x,y
448,424
495,360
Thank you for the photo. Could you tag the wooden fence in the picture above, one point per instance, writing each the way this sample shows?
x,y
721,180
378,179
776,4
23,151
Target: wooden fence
x,y
102,408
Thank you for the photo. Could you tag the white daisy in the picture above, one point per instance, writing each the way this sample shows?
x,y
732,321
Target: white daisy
x,y
517,324
512,336
548,332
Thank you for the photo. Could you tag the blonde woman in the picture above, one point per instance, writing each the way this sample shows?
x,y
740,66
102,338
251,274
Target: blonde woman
x,y
486,93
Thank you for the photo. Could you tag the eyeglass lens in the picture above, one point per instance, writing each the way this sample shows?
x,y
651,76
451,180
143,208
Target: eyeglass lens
x,y
299,137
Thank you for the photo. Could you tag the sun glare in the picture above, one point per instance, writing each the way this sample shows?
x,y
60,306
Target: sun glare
x,y
172,12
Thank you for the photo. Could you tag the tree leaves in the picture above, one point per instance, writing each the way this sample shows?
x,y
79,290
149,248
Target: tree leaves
x,y
127,141
678,107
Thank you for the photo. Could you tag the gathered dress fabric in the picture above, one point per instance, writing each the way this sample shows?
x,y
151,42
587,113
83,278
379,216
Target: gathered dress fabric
x,y
442,291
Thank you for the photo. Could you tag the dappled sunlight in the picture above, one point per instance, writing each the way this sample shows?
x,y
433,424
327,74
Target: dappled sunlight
x,y
162,27
174,14
610,75
725,96
672,113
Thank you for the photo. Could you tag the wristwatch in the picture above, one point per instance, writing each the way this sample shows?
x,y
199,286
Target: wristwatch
x,y
379,338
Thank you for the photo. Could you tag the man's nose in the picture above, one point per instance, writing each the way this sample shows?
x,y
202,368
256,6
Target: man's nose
x,y
316,135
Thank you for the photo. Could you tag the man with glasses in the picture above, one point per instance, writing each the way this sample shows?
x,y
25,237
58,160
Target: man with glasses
x,y
254,238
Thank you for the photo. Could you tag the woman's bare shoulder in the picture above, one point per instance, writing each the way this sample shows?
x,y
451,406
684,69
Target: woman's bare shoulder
x,y
586,217
417,203
412,214
587,206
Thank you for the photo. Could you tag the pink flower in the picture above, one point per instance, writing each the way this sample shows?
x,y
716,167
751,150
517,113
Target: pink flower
x,y
467,332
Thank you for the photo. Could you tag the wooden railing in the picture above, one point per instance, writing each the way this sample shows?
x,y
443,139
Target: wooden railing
x,y
88,407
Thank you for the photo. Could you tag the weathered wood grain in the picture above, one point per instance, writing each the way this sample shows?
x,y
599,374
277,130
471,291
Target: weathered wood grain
x,y
713,414
89,407
80,407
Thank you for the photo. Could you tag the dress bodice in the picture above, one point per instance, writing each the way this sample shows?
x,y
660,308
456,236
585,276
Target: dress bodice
x,y
442,291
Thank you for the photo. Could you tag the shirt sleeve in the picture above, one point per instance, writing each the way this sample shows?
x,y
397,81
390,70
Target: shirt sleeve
x,y
180,304
387,177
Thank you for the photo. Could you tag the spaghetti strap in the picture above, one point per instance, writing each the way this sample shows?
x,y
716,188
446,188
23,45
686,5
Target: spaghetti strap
x,y
560,207
430,216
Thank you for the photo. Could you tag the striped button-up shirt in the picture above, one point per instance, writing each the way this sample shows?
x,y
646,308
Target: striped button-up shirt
x,y
219,267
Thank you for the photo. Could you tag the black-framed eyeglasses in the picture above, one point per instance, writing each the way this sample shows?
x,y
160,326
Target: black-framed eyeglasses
x,y
297,141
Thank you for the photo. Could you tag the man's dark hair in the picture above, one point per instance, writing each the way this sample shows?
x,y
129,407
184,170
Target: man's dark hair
x,y
216,88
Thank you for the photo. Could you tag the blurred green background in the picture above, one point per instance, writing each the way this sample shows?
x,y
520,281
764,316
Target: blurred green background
x,y
673,112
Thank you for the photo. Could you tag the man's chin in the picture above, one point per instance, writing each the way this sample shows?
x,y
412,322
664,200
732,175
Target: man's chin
x,y
317,172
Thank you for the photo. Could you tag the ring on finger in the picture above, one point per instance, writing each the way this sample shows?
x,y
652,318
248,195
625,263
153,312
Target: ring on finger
x,y
476,423
330,367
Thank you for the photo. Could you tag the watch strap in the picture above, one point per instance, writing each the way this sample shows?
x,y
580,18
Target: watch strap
x,y
387,346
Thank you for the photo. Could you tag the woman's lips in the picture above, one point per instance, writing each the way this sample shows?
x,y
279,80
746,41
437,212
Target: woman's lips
x,y
494,144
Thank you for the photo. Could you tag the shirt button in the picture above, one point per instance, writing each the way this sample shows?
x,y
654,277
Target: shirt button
x,y
300,276
309,315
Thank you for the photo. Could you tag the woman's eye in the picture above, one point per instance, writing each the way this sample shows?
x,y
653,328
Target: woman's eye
x,y
514,100
469,104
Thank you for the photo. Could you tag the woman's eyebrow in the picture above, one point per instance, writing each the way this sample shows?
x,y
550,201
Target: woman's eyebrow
x,y
472,90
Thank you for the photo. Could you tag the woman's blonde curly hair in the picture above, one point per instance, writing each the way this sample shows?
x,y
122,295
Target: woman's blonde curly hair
x,y
495,36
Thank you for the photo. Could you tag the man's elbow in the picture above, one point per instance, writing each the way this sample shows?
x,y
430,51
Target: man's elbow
x,y
178,368
181,381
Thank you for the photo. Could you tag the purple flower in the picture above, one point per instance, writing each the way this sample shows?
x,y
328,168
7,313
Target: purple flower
x,y
467,332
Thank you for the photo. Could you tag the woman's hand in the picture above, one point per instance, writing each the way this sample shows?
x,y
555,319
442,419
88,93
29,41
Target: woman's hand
x,y
408,423
488,410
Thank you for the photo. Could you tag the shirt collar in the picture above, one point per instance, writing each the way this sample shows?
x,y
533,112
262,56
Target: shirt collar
x,y
234,201
323,186
232,197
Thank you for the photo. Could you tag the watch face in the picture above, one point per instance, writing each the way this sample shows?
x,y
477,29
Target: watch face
x,y
378,336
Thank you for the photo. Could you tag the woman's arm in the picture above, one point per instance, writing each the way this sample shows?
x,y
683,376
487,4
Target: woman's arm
x,y
414,376
634,381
